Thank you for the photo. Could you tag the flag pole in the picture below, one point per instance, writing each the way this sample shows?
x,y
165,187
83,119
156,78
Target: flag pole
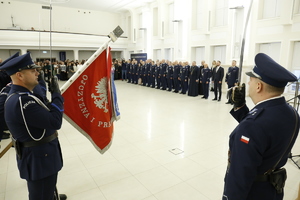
x,y
83,68
117,32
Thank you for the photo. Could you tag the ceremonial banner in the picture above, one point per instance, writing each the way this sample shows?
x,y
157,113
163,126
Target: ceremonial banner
x,y
90,102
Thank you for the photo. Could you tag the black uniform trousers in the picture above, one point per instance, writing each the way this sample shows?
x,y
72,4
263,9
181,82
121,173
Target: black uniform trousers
x,y
42,189
218,89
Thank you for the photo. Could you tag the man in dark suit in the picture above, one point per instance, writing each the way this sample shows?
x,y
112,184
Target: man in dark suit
x,y
217,78
33,124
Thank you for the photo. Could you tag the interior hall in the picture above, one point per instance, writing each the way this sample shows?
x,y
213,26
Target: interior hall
x,y
166,145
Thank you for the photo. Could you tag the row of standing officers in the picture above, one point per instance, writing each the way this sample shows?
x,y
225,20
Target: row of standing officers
x,y
181,77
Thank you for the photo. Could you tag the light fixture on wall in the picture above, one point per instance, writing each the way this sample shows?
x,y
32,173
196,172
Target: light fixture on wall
x,y
177,20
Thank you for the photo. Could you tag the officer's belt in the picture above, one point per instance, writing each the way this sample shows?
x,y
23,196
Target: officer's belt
x,y
40,142
262,178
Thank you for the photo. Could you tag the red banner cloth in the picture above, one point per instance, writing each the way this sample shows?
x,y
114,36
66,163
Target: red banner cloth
x,y
88,103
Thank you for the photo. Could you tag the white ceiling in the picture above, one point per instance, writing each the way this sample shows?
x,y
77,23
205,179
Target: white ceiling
x,y
100,5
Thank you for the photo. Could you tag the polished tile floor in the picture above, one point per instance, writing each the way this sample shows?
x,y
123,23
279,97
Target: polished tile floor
x,y
166,146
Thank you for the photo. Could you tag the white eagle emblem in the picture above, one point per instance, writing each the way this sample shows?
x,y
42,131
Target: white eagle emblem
x,y
101,100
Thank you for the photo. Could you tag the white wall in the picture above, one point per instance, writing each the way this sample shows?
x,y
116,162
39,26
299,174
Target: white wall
x,y
28,15
282,28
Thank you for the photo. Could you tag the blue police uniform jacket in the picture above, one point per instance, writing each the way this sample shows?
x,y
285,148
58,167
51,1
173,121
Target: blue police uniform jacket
x,y
255,146
205,75
170,72
183,73
39,161
232,76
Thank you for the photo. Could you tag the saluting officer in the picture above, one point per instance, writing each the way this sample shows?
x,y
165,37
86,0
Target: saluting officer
x,y
33,125
260,144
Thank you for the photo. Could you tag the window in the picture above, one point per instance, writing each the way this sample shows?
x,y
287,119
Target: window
x,y
296,57
198,54
169,54
221,12
271,49
219,54
296,7
157,54
271,8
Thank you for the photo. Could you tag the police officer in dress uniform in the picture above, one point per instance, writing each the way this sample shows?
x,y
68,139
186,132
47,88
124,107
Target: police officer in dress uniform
x,y
177,68
170,76
129,71
158,74
231,79
148,70
5,79
163,75
183,77
33,125
152,74
200,86
264,137
205,79
144,73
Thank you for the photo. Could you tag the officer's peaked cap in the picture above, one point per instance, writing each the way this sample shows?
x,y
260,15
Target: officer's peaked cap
x,y
8,59
19,63
270,72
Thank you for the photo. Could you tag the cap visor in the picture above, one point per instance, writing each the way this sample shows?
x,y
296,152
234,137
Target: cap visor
x,y
251,74
33,66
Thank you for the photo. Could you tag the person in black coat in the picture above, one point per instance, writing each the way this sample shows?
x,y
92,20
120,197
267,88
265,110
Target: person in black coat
x,y
194,80
217,78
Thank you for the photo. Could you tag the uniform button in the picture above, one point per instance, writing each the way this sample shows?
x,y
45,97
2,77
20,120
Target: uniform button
x,y
46,154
